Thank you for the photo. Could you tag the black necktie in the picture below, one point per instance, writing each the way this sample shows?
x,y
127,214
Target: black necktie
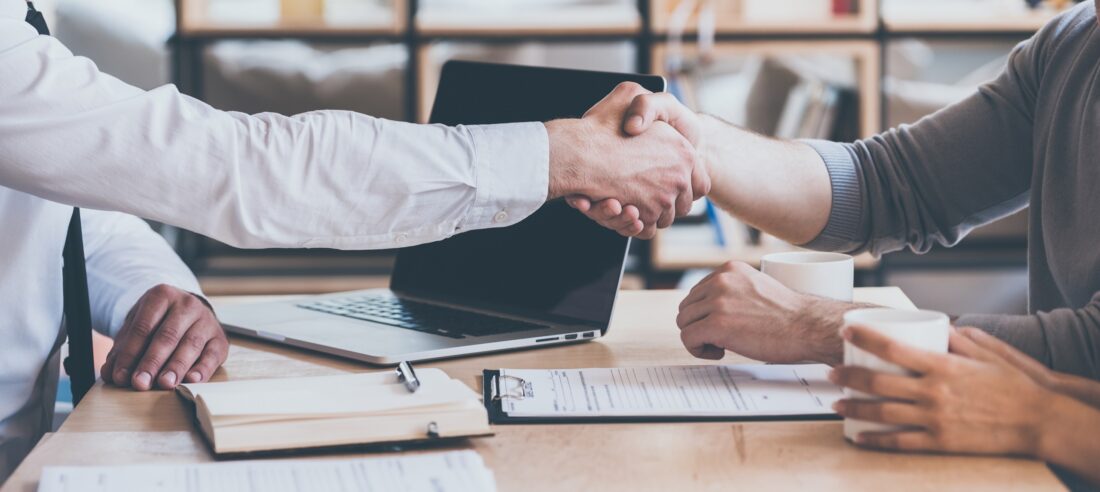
x,y
78,313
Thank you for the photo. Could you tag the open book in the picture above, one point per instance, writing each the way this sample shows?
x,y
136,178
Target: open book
x,y
270,415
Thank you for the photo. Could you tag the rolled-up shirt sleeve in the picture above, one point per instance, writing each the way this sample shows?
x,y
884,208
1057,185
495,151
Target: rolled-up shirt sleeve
x,y
335,179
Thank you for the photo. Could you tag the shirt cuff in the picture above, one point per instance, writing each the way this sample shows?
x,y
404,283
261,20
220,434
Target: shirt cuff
x,y
512,172
842,233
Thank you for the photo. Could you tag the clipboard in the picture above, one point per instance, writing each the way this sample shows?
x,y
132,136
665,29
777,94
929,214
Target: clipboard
x,y
491,393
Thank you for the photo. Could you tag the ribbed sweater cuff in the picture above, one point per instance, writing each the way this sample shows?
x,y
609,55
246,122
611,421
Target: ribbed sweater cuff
x,y
842,233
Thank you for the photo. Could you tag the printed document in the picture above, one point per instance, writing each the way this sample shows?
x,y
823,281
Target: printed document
x,y
461,471
674,391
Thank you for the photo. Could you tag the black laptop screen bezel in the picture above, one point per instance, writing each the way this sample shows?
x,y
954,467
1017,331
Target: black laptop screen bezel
x,y
534,79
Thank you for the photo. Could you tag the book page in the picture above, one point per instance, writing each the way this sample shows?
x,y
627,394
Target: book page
x,y
328,395
461,471
674,391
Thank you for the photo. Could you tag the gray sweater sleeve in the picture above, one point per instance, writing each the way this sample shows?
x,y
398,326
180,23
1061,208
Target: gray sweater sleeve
x,y
933,182
1066,340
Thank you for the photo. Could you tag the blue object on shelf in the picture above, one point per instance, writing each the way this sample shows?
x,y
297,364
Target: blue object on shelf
x,y
712,215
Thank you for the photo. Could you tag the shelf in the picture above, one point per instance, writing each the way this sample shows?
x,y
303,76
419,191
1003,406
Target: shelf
x,y
1024,24
571,21
261,18
612,55
681,248
864,52
978,18
731,21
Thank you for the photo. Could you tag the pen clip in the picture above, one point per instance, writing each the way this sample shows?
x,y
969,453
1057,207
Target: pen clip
x,y
406,374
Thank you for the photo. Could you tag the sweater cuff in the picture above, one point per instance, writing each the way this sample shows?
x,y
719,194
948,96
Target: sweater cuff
x,y
843,231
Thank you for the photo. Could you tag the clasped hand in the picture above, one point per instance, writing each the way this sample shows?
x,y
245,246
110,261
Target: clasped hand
x,y
642,174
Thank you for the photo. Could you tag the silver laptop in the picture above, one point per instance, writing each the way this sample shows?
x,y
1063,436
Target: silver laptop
x,y
551,279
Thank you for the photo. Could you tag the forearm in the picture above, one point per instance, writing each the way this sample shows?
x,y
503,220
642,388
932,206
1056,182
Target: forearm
x,y
779,187
1065,340
1070,437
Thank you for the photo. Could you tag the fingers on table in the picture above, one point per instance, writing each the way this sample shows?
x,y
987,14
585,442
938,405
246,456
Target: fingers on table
x,y
175,330
213,356
134,337
184,357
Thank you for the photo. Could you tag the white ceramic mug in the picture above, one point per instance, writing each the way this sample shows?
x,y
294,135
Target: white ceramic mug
x,y
926,330
830,275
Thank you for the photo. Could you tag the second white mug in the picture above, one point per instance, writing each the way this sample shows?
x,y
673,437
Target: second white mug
x,y
926,330
829,275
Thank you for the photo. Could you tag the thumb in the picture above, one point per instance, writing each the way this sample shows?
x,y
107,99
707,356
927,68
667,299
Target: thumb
x,y
581,203
646,109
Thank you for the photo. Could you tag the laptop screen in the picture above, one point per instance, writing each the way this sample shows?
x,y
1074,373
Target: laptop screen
x,y
556,265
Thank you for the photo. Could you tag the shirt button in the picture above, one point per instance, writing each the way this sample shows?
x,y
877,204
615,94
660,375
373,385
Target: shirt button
x,y
401,238
500,217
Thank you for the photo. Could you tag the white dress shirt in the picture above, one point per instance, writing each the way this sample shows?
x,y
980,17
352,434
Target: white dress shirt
x,y
74,136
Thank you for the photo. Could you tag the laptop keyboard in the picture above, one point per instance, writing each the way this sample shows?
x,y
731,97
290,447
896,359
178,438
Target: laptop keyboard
x,y
418,316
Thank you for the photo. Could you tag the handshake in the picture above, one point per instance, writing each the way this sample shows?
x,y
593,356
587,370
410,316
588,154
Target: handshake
x,y
630,163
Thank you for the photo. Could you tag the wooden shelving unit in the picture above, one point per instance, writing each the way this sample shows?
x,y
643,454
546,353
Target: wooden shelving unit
x,y
730,19
343,18
865,53
611,20
1022,24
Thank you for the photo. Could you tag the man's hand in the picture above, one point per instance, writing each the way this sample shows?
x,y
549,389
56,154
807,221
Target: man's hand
x,y
170,336
651,173
972,400
739,309
646,110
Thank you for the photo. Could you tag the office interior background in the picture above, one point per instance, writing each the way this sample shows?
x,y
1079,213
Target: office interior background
x,y
834,69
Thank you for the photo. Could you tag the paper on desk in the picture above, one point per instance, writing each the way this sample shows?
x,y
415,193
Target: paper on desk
x,y
674,391
459,471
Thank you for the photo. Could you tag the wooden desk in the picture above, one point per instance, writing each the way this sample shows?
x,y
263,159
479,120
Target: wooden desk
x,y
115,426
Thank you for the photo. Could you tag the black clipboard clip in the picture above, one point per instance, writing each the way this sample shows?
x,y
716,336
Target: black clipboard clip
x,y
406,374
521,392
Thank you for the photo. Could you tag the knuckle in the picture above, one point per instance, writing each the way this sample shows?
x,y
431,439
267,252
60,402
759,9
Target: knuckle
x,y
170,333
190,302
143,327
628,87
151,361
892,351
872,383
194,341
162,290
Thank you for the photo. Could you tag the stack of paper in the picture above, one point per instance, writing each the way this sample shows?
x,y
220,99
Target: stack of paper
x,y
461,471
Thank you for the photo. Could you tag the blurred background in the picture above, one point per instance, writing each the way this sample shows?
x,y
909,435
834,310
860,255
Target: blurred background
x,y
838,69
